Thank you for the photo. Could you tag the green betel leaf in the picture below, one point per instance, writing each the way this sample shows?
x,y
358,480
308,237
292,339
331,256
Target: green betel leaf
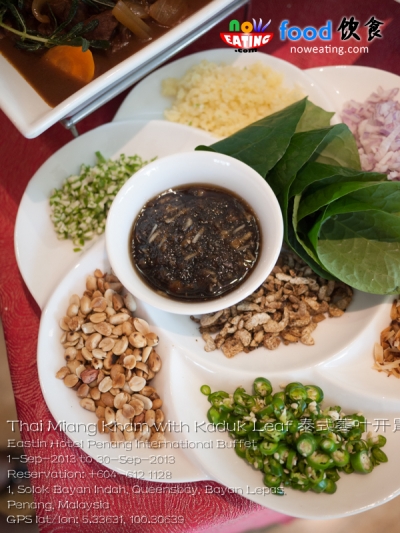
x,y
382,196
343,222
301,231
363,250
263,143
301,148
300,243
314,118
341,206
299,249
280,178
314,175
342,150
343,176
313,202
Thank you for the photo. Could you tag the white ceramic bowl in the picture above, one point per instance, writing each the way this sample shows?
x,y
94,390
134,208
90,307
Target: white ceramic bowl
x,y
183,169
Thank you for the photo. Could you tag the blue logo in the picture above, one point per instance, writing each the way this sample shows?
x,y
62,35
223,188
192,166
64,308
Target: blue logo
x,y
309,33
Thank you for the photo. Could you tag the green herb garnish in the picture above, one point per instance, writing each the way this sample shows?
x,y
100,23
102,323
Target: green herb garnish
x,y
12,20
343,222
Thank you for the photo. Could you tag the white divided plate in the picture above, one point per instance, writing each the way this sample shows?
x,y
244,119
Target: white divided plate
x,y
80,425
216,456
346,378
42,258
145,101
340,362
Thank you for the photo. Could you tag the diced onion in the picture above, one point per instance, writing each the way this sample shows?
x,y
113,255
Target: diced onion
x,y
138,9
36,11
375,124
135,24
168,12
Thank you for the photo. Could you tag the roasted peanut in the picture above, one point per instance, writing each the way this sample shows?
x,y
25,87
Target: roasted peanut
x,y
109,359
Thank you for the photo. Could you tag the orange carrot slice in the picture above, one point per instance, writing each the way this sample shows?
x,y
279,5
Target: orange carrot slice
x,y
72,61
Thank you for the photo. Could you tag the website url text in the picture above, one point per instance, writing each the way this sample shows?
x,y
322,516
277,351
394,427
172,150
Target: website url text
x,y
327,49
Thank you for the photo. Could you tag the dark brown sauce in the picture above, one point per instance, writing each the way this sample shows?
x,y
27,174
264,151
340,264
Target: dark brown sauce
x,y
195,242
54,86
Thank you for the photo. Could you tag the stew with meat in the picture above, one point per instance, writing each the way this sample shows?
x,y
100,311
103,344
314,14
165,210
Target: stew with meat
x,y
61,45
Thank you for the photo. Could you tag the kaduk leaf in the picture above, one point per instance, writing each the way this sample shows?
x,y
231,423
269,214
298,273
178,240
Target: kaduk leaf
x,y
314,118
303,147
299,151
301,230
362,249
314,175
263,143
313,202
382,196
342,150
298,248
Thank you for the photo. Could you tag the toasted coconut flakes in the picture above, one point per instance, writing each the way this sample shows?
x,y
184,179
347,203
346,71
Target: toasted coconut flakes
x,y
378,353
387,352
390,366
285,309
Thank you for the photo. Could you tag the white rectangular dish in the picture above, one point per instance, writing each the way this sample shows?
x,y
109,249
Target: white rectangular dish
x,y
31,115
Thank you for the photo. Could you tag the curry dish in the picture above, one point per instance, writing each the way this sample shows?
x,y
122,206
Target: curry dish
x,y
61,45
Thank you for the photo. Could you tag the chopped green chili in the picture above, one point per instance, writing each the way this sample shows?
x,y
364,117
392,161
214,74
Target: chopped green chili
x,y
361,462
306,444
268,448
292,439
379,455
262,387
314,394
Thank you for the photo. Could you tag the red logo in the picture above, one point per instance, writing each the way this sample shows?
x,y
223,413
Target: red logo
x,y
252,35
